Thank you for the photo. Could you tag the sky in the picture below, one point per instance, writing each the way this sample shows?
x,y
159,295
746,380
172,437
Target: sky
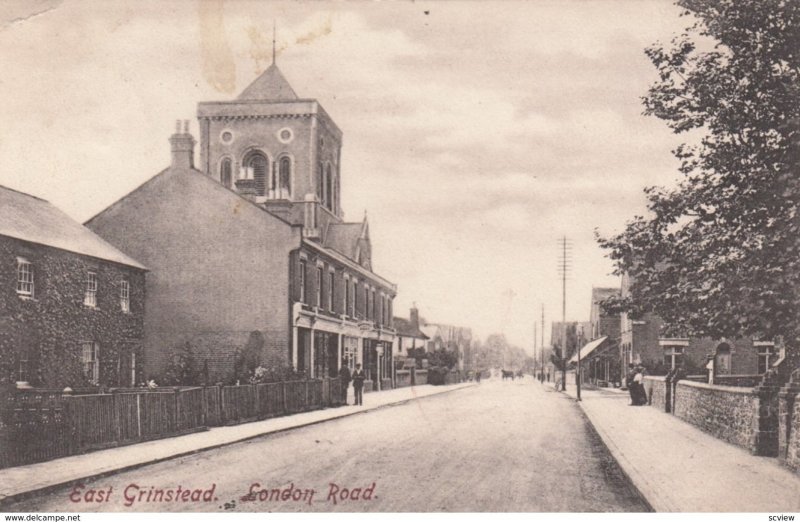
x,y
476,134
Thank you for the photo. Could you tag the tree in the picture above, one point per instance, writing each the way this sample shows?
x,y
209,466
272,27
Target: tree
x,y
249,357
182,369
718,255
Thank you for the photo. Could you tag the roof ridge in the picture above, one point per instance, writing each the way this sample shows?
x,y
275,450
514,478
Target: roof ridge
x,y
24,193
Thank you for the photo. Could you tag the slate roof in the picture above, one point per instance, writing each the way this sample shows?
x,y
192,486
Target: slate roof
x,y
32,219
600,294
343,237
404,328
270,86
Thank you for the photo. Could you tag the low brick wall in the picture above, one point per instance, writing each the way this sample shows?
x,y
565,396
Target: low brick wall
x,y
402,378
420,377
657,393
726,412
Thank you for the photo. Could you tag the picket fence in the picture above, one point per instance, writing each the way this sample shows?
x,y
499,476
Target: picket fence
x,y
42,425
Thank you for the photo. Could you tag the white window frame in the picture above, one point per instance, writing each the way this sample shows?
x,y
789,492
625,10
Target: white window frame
x,y
125,295
26,285
90,292
765,350
90,361
675,353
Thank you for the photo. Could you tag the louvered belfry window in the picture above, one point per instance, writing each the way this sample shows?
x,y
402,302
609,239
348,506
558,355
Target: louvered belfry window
x,y
257,167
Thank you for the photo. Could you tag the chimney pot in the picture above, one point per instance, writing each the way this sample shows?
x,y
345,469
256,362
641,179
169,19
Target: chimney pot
x,y
182,145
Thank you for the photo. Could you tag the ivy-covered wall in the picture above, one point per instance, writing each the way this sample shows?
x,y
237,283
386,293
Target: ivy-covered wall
x,y
48,328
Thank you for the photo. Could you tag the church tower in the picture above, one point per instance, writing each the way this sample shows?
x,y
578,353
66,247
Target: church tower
x,y
277,149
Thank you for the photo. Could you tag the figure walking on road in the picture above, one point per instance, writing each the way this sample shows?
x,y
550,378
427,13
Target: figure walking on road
x,y
344,376
358,385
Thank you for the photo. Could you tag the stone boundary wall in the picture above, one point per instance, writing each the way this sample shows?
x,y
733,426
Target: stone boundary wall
x,y
792,458
657,393
420,377
726,412
789,424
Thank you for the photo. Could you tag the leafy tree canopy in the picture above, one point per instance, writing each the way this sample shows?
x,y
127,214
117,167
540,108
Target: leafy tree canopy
x,y
718,255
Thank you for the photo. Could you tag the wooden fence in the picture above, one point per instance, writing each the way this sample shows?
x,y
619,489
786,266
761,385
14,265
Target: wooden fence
x,y
42,425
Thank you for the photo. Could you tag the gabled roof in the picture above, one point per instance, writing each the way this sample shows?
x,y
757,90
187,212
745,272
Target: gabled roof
x,y
405,329
29,218
446,332
270,86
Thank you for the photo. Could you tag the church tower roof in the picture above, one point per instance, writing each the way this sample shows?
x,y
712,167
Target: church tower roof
x,y
271,85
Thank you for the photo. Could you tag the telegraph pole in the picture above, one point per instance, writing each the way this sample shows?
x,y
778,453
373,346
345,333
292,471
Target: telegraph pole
x,y
541,346
535,337
564,266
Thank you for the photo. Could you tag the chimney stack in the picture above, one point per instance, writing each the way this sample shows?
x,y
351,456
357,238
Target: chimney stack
x,y
413,315
182,146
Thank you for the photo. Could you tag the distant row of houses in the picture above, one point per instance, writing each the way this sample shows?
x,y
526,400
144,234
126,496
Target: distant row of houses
x,y
609,344
251,244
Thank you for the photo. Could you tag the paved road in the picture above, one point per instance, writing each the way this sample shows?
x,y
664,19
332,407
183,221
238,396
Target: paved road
x,y
500,446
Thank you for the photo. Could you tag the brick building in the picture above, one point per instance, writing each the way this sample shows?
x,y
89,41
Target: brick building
x,y
456,339
254,243
72,304
409,335
642,342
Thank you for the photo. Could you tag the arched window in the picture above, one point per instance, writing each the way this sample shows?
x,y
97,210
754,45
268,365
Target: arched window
x,y
319,182
328,188
722,360
256,167
225,172
285,175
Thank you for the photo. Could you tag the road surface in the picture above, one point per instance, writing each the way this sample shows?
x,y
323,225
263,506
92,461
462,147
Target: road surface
x,y
499,446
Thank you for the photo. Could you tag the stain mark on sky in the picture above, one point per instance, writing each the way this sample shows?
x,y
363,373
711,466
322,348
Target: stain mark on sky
x,y
218,64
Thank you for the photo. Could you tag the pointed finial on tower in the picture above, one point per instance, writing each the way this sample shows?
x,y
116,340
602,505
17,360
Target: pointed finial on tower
x,y
273,42
365,214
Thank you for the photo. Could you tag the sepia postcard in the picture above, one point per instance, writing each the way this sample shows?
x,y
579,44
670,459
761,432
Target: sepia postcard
x,y
395,257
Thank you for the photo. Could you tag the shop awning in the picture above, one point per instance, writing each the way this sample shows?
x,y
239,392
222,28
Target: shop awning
x,y
588,349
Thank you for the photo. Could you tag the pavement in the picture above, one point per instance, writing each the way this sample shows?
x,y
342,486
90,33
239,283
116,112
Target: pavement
x,y
22,481
678,468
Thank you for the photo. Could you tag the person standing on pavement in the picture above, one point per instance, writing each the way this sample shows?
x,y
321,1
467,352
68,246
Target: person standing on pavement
x,y
358,385
630,384
638,379
344,376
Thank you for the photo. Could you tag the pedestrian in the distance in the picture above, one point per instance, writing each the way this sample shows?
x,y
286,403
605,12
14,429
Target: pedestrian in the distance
x,y
638,380
358,384
630,384
344,376
478,376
